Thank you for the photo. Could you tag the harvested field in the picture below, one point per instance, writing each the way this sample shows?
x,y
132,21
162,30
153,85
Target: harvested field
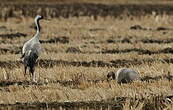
x,y
81,44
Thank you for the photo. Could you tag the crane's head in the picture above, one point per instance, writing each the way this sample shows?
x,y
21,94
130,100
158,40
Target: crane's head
x,y
111,75
38,17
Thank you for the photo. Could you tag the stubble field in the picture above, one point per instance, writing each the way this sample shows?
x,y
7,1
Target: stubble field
x,y
78,52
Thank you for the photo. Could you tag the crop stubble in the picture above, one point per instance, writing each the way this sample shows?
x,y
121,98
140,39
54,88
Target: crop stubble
x,y
77,55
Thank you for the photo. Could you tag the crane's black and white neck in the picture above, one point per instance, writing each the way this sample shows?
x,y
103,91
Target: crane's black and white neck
x,y
37,19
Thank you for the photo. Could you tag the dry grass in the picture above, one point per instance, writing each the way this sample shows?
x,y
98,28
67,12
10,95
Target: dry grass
x,y
68,82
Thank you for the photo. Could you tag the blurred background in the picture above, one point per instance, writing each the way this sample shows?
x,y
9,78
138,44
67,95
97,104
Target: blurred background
x,y
94,8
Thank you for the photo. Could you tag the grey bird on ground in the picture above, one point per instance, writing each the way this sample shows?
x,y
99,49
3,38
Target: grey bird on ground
x,y
31,50
124,75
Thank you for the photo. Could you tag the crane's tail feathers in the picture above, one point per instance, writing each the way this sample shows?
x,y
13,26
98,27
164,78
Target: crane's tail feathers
x,y
30,59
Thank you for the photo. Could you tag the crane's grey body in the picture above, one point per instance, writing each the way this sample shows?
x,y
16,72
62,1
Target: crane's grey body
x,y
31,49
124,75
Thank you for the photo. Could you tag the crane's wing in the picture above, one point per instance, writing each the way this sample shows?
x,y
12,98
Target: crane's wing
x,y
36,47
26,47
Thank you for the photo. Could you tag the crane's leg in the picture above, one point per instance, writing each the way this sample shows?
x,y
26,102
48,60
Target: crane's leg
x,y
32,75
25,67
31,72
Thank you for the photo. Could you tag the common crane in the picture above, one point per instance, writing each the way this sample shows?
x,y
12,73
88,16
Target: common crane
x,y
124,75
31,50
